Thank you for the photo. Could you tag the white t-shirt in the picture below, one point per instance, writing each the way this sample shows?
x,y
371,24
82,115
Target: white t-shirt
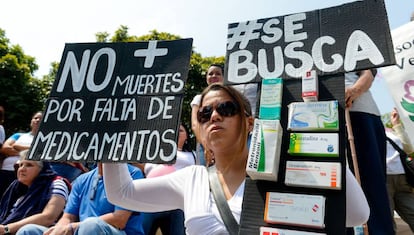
x,y
188,189
2,135
400,137
26,140
196,101
394,165
364,103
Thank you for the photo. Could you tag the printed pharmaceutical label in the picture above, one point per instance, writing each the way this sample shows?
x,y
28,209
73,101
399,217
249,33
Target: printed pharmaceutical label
x,y
295,209
313,174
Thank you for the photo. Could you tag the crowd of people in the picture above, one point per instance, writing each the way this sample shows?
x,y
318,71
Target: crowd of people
x,y
66,198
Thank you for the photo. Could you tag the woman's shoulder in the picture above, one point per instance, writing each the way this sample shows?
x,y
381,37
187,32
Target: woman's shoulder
x,y
194,170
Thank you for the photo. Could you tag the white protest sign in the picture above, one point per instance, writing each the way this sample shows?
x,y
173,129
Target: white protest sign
x,y
400,77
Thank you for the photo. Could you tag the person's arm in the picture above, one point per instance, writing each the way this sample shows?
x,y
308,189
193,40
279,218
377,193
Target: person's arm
x,y
20,147
66,225
400,132
195,127
46,218
359,87
147,195
357,208
7,148
405,140
118,218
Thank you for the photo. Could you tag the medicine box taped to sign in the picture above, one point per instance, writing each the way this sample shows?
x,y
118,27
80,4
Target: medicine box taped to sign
x,y
115,102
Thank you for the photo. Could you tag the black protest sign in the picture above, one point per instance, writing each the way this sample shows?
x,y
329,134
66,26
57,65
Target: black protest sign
x,y
349,37
115,102
332,41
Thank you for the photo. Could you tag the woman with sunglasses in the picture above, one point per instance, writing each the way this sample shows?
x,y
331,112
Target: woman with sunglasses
x,y
225,121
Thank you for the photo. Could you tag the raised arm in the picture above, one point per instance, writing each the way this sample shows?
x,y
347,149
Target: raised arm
x,y
146,195
400,132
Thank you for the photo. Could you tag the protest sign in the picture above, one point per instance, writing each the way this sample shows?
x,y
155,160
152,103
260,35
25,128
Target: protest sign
x,y
115,102
331,41
399,78
350,37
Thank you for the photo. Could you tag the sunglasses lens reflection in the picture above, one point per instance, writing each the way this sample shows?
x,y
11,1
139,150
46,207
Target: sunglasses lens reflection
x,y
225,109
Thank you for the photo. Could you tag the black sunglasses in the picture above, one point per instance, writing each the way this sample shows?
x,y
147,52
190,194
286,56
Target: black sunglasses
x,y
225,109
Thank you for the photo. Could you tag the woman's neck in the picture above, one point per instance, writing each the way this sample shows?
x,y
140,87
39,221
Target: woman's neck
x,y
235,162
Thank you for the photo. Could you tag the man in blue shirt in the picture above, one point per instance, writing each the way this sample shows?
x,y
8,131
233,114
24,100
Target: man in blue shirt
x,y
88,211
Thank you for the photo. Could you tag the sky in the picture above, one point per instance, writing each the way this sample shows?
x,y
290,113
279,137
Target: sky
x,y
43,27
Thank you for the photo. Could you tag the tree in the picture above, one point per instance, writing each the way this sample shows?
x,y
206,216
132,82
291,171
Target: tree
x,y
198,65
19,89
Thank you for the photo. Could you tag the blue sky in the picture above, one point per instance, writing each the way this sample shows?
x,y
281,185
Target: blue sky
x,y
43,27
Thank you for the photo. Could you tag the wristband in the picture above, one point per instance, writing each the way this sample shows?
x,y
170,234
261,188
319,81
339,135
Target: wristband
x,y
6,229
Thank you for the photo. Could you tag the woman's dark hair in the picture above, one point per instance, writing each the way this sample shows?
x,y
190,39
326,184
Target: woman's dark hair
x,y
1,114
187,146
217,65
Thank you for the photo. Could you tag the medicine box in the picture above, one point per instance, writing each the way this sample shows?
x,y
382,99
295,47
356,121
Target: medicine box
x,y
279,231
264,152
310,90
313,116
314,144
271,98
310,174
295,209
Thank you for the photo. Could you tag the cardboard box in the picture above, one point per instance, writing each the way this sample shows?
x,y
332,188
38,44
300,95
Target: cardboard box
x,y
279,231
314,144
271,99
264,152
309,174
310,86
313,116
295,209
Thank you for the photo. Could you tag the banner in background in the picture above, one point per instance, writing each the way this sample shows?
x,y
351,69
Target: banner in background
x,y
399,78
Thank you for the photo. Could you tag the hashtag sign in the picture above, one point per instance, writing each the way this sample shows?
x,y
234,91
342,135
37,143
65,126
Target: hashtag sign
x,y
243,33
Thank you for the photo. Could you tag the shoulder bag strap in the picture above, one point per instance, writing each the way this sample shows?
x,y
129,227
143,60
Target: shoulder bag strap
x,y
402,153
225,212
395,146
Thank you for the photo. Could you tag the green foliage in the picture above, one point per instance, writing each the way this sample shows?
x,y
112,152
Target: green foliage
x,y
198,65
102,36
22,94
19,89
